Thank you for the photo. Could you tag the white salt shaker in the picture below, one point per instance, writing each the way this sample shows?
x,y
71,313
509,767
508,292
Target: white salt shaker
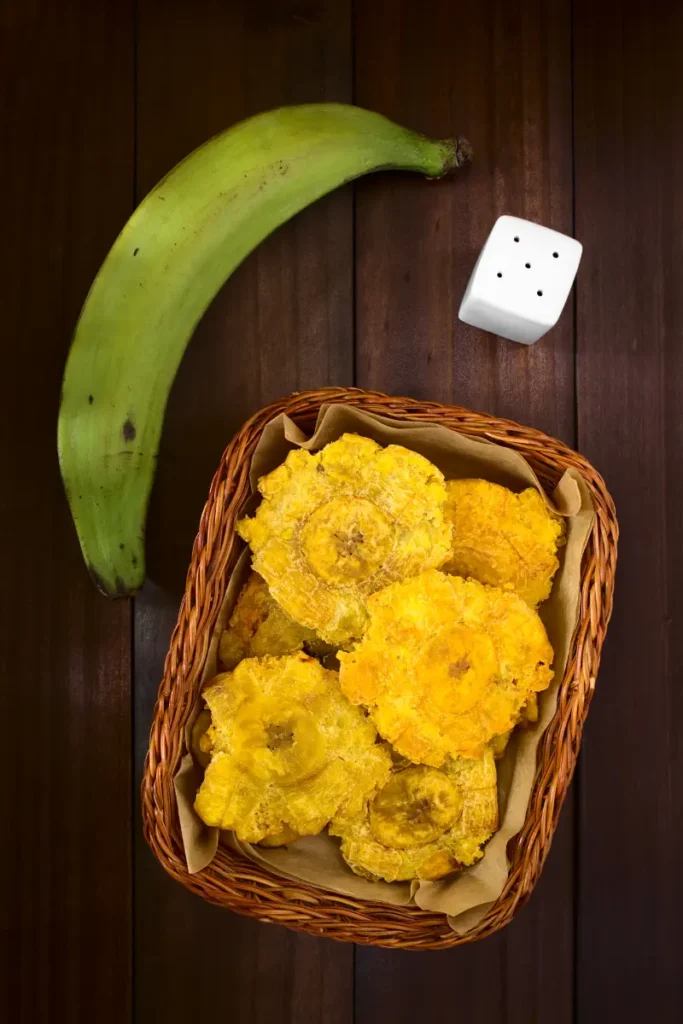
x,y
521,280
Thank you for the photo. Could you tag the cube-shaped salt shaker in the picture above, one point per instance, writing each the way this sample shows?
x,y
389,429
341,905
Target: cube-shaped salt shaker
x,y
521,280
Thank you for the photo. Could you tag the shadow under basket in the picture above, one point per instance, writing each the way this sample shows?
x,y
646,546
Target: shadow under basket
x,y
235,883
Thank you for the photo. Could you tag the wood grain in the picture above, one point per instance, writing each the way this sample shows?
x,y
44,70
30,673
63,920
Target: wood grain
x,y
86,129
283,322
66,181
629,157
499,74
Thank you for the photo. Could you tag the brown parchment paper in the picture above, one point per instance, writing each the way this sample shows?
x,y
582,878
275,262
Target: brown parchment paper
x,y
467,896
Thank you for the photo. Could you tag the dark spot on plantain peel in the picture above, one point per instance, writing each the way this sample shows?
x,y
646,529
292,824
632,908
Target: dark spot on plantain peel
x,y
129,430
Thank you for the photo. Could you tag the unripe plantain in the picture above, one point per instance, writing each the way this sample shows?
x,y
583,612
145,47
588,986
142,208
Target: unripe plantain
x,y
173,255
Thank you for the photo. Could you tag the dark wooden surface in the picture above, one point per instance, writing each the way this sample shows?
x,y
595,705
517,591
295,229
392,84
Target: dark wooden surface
x,y
67,141
574,111
629,213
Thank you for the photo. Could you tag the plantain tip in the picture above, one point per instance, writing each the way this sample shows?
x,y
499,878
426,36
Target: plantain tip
x,y
119,589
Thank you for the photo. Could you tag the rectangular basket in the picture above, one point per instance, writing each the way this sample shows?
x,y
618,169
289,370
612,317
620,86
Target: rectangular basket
x,y
234,882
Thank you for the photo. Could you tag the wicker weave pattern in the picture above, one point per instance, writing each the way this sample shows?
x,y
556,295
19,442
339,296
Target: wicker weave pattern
x,y
230,881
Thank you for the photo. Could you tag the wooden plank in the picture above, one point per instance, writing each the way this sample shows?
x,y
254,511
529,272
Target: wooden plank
x,y
283,322
66,78
629,154
499,74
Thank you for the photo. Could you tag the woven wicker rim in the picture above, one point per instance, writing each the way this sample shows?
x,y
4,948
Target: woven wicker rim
x,y
233,882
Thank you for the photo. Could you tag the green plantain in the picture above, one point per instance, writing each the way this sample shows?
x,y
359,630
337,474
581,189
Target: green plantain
x,y
173,255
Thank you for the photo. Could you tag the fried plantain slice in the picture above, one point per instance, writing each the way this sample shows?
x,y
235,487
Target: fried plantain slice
x,y
416,806
283,838
528,715
424,822
338,525
259,626
287,750
446,664
504,539
200,744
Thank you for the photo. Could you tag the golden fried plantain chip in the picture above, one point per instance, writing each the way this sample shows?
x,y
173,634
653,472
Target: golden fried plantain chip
x,y
199,741
446,664
528,715
499,744
287,750
504,539
283,838
336,526
424,822
415,807
259,626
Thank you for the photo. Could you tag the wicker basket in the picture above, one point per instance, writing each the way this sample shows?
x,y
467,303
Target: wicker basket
x,y
233,882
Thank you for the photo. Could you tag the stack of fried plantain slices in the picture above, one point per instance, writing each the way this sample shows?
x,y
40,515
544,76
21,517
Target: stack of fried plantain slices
x,y
426,592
